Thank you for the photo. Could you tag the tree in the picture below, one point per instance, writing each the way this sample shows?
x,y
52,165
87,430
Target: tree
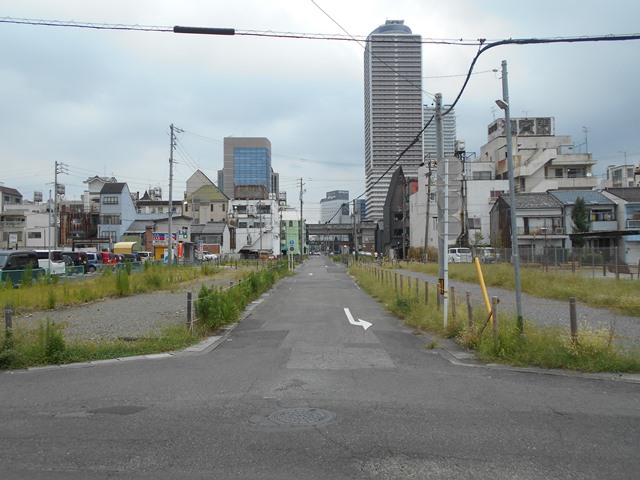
x,y
580,219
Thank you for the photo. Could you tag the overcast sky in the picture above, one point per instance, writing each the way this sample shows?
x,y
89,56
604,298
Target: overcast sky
x,y
101,101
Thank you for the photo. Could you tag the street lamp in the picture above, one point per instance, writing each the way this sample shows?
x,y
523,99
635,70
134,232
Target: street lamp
x,y
504,105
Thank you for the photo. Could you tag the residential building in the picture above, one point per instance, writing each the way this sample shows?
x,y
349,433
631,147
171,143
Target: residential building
x,y
247,163
334,208
254,224
392,109
204,202
539,223
291,231
117,211
627,200
620,176
91,196
541,160
12,220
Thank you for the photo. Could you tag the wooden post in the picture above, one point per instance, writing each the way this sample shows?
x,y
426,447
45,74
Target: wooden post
x,y
469,311
452,295
8,318
401,283
418,289
426,293
573,320
189,313
395,280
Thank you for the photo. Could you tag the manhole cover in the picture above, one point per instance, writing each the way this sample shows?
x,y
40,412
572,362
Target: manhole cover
x,y
301,417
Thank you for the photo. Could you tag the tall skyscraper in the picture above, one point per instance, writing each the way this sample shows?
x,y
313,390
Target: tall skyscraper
x,y
392,108
448,132
247,168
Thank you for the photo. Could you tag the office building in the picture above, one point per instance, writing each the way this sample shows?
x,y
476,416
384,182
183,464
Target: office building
x,y
334,208
393,109
247,171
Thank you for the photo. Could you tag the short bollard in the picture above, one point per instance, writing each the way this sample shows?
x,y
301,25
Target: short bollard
x,y
8,318
573,320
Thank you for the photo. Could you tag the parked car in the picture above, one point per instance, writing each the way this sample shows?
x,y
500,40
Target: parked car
x,y
208,256
14,262
79,259
52,261
144,256
488,255
460,255
94,260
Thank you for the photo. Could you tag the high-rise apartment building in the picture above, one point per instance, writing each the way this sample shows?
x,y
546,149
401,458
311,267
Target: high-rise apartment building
x,y
448,132
247,171
392,108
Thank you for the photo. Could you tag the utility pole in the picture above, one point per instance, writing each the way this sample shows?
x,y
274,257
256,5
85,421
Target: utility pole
x,y
355,229
60,168
404,218
170,226
504,105
426,225
443,213
301,225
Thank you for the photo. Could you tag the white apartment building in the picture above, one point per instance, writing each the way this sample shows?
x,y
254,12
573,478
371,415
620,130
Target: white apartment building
x,y
542,160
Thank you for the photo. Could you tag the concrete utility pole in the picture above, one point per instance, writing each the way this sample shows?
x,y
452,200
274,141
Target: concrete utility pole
x,y
426,225
355,228
301,224
170,226
60,168
504,105
445,211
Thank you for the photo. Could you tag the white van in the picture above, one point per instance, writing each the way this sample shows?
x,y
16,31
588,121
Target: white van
x,y
460,255
52,261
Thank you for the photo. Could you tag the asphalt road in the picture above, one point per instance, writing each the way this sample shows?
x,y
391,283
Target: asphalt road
x,y
296,391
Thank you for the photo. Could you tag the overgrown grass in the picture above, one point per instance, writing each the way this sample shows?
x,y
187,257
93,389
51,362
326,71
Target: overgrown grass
x,y
620,296
49,293
46,345
538,346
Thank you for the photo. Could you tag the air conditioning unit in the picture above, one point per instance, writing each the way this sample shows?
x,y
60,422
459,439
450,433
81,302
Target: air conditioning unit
x,y
559,231
544,230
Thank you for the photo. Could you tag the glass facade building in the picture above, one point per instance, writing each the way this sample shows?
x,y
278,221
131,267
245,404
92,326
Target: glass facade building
x,y
252,166
247,171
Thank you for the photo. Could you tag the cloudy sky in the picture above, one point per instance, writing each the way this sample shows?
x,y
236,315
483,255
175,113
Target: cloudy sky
x,y
101,101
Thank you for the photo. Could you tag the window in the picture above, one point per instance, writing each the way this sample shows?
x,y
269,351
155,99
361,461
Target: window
x,y
473,223
34,235
110,219
558,172
482,175
109,200
291,223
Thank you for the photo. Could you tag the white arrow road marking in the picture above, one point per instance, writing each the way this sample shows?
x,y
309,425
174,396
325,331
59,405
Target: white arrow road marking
x,y
362,323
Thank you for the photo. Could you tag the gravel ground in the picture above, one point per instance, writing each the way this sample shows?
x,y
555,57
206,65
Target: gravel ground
x,y
547,312
126,317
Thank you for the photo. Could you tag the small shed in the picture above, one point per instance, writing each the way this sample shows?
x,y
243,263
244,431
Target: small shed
x,y
126,247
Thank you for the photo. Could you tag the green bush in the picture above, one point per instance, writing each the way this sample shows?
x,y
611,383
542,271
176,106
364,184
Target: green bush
x,y
122,282
51,344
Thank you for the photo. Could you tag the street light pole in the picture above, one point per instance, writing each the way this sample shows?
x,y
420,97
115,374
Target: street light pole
x,y
504,105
